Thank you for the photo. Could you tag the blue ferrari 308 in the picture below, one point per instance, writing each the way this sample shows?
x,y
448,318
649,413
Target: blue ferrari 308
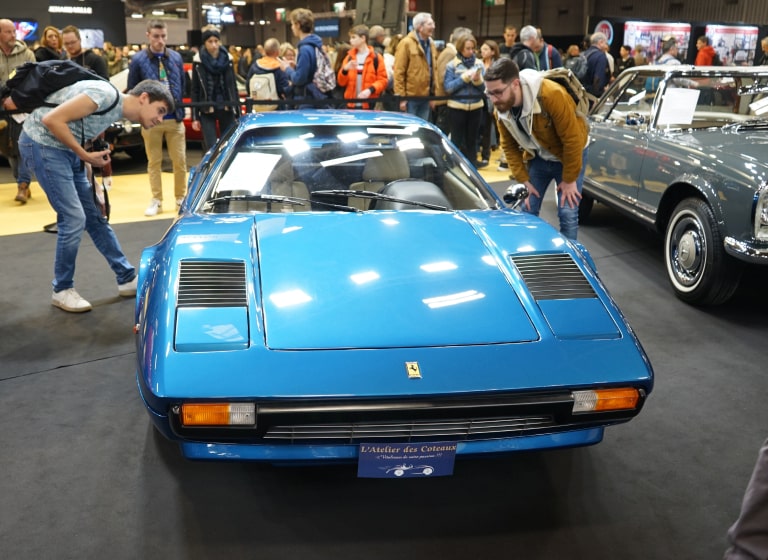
x,y
339,279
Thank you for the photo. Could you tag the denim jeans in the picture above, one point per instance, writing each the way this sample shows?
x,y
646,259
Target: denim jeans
x,y
419,108
541,172
65,183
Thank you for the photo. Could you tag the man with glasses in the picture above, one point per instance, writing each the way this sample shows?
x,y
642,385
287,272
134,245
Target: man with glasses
x,y
542,137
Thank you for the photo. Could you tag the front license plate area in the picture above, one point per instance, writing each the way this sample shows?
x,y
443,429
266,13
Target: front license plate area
x,y
406,460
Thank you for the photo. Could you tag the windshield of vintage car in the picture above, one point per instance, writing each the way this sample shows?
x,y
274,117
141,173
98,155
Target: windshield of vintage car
x,y
273,169
692,100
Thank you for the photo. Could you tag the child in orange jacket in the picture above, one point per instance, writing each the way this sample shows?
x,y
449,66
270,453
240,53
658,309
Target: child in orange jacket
x,y
363,75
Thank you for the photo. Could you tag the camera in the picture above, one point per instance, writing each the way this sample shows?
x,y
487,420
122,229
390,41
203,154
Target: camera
x,y
99,145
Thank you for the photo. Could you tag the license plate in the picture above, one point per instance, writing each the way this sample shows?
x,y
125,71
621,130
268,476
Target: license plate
x,y
406,460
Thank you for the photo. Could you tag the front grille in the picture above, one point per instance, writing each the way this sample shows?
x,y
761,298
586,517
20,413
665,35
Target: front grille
x,y
212,284
349,422
408,432
553,276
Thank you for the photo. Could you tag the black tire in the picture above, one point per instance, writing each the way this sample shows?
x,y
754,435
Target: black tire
x,y
585,207
699,269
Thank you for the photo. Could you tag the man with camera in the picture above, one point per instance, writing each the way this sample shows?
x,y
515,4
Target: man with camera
x,y
55,141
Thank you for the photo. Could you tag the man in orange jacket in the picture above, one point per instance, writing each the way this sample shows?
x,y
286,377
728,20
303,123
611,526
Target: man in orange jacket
x,y
363,74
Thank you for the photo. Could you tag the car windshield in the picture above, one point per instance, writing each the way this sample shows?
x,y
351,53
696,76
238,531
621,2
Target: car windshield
x,y
348,168
690,100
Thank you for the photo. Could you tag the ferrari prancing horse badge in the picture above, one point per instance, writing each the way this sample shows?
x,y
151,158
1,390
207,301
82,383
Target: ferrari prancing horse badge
x,y
412,368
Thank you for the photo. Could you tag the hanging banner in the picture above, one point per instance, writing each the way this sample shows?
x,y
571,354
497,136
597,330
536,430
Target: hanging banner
x,y
651,35
735,44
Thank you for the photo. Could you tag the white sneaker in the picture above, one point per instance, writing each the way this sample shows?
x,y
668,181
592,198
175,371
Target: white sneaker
x,y
178,203
128,289
154,208
70,300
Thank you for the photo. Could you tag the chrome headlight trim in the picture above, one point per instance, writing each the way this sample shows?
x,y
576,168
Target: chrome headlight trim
x,y
761,213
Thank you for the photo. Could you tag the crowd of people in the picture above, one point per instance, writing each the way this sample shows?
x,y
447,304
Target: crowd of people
x,y
483,94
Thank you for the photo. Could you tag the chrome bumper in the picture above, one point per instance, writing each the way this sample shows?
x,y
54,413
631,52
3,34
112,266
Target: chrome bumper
x,y
745,251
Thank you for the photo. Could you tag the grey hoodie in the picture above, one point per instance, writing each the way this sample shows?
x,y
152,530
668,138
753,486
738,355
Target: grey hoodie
x,y
9,62
530,82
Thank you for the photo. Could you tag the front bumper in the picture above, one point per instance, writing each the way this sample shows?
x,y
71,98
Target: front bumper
x,y
746,251
312,453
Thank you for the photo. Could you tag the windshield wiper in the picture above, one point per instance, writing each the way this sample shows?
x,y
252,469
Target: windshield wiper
x,y
276,199
378,196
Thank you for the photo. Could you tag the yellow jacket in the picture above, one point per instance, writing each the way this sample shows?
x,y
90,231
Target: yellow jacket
x,y
554,129
411,74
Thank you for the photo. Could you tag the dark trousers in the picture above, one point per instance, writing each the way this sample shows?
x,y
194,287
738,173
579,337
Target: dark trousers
x,y
490,135
748,536
465,130
208,122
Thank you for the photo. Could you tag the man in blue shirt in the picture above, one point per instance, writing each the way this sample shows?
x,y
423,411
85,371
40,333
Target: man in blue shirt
x,y
57,143
598,72
157,62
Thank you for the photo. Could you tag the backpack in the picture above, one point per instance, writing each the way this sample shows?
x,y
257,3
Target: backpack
x,y
263,87
324,78
568,80
34,81
716,60
578,65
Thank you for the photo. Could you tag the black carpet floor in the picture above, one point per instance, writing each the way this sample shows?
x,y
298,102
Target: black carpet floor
x,y
82,475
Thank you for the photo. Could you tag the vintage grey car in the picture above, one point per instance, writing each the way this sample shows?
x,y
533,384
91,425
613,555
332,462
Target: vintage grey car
x,y
684,150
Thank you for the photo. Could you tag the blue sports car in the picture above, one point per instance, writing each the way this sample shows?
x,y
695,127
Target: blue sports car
x,y
340,279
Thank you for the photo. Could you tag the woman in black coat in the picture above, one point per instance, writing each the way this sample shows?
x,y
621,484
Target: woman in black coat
x,y
51,46
213,80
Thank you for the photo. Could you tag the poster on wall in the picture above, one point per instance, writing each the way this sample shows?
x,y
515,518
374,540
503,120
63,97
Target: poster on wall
x,y
735,44
651,35
26,30
90,38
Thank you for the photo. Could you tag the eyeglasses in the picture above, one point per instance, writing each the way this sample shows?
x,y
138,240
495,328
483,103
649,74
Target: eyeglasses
x,y
498,93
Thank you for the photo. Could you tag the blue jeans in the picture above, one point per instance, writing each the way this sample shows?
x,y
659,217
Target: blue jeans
x,y
419,108
61,176
540,173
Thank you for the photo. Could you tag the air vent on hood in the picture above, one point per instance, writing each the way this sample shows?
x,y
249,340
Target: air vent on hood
x,y
553,276
212,284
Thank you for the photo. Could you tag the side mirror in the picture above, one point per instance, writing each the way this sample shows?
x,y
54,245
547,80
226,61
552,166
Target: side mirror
x,y
515,194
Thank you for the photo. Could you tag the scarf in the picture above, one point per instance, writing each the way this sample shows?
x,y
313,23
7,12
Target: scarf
x,y
216,65
214,75
469,61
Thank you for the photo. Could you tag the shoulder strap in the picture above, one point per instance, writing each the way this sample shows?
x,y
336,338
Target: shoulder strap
x,y
112,106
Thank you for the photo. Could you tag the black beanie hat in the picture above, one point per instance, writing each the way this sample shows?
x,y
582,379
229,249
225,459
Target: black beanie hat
x,y
208,33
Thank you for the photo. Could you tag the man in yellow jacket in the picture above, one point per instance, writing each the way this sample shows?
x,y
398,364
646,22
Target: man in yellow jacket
x,y
415,62
542,136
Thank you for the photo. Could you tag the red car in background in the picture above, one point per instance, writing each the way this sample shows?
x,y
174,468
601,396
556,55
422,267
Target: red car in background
x,y
197,135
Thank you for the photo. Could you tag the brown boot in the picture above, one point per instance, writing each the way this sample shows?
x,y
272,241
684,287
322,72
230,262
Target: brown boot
x,y
23,193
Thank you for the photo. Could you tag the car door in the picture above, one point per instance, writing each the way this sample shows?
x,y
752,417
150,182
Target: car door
x,y
619,141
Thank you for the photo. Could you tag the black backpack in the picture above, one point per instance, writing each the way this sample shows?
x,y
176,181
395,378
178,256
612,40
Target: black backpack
x,y
34,81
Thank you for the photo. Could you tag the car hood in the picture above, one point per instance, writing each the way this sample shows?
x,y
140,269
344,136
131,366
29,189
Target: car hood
x,y
264,303
386,280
